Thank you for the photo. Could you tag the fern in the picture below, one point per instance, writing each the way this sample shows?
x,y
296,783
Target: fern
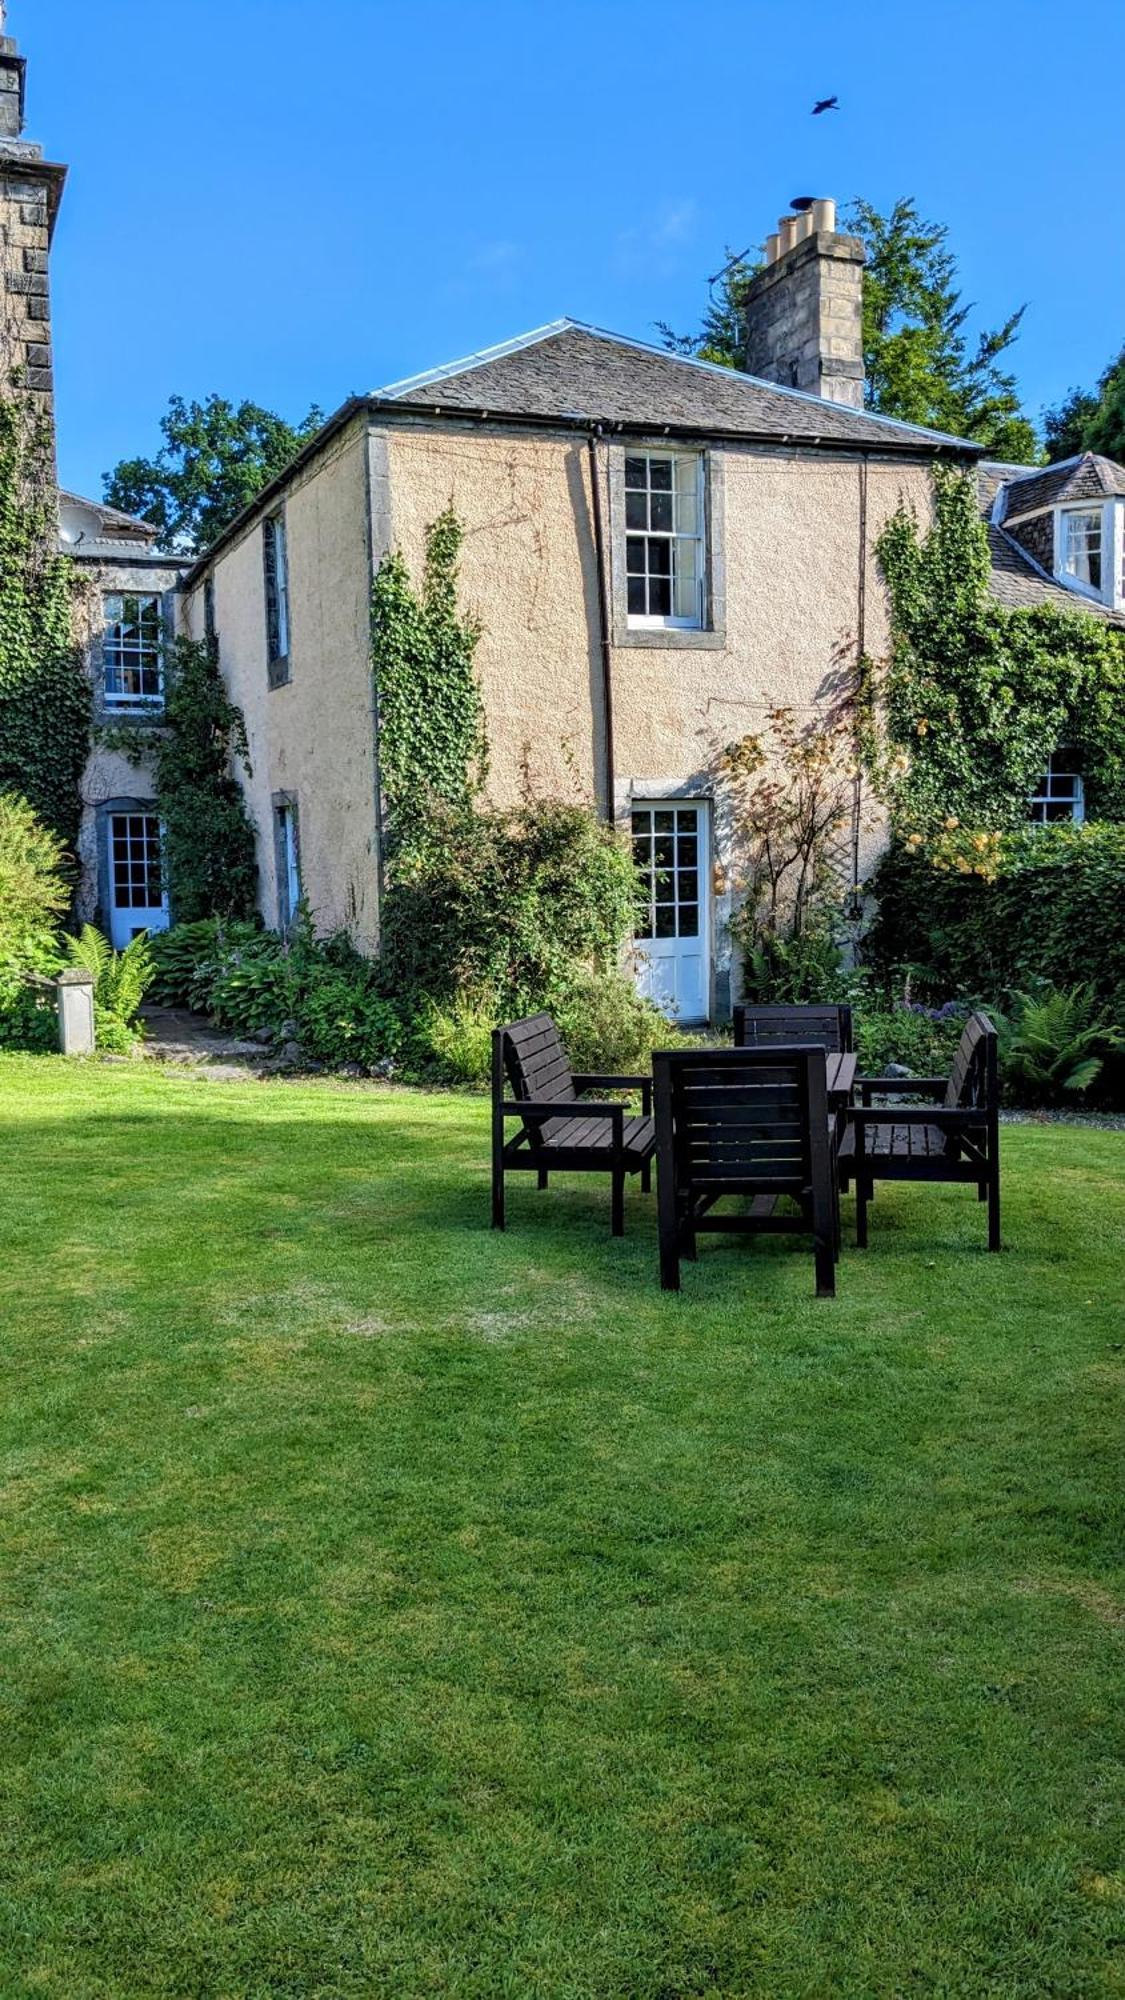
x,y
1055,1044
121,980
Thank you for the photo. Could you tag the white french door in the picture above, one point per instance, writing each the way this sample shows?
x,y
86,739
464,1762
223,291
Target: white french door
x,y
137,899
673,942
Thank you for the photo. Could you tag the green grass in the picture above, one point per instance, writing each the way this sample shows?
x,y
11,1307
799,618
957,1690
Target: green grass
x,y
391,1608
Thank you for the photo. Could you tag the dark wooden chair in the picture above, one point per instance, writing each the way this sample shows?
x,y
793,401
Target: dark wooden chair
x,y
743,1122
560,1130
756,1027
954,1139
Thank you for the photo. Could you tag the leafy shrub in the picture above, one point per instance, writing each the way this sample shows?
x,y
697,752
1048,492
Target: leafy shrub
x,y
804,969
1054,1044
182,956
513,902
121,980
917,1038
455,1039
340,1018
1050,893
606,1025
33,896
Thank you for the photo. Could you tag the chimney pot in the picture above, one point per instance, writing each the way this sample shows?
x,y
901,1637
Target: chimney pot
x,y
824,214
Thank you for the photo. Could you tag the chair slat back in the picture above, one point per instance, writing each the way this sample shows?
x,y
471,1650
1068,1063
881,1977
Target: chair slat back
x,y
741,1119
973,1078
538,1069
758,1027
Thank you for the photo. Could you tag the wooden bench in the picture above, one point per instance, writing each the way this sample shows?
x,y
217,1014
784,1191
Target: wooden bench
x,y
758,1027
956,1138
743,1122
560,1130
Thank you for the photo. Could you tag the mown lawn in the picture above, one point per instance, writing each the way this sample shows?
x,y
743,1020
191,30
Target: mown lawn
x,y
389,1608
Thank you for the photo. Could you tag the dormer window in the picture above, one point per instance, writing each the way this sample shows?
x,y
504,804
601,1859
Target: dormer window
x,y
1090,550
1081,538
1060,794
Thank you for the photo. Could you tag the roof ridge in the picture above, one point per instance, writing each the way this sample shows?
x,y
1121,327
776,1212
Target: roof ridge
x,y
393,391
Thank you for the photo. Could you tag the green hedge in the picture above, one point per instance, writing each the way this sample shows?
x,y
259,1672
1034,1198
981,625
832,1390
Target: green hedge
x,y
1053,911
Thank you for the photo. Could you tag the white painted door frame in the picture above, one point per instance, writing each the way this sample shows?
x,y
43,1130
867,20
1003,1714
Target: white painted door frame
x,y
672,849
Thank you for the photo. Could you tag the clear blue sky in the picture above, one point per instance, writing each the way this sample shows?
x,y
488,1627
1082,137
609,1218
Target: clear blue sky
x,y
289,202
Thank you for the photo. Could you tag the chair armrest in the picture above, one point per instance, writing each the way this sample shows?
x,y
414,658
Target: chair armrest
x,y
947,1120
641,1083
898,1086
538,1108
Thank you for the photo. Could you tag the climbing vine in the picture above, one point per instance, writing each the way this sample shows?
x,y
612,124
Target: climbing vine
x,y
208,834
976,696
209,843
44,692
431,723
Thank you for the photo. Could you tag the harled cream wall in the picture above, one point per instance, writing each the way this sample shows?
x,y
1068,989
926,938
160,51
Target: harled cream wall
x,y
313,735
791,559
790,562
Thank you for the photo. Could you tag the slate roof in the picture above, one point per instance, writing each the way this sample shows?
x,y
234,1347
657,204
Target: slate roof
x,y
1017,579
1087,477
571,372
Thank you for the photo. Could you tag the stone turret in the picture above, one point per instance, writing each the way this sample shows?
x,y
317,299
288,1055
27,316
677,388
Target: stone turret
x,y
30,192
804,311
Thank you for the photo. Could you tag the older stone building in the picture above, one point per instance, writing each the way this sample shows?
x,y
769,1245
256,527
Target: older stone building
x,y
125,601
659,551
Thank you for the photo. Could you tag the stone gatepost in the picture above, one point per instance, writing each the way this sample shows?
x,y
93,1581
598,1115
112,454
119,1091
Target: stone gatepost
x,y
75,989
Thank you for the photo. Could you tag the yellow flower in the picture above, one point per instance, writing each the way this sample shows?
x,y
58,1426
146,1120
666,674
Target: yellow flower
x,y
914,840
923,727
951,825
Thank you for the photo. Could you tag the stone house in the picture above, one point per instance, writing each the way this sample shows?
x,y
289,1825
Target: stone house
x,y
658,550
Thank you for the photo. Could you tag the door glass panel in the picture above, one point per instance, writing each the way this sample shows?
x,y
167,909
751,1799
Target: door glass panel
x,y
665,920
689,920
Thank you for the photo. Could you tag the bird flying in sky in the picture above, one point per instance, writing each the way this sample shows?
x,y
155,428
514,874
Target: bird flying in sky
x,y
826,104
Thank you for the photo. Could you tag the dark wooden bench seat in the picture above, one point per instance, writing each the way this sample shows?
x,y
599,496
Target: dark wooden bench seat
x,y
561,1131
956,1139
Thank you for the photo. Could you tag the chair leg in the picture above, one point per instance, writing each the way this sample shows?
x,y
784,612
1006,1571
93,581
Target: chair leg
x,y
646,1177
861,1200
669,1259
542,1177
617,1227
994,1208
497,1195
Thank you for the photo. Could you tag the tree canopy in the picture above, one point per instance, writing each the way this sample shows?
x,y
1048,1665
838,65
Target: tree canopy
x,y
920,361
215,458
1090,419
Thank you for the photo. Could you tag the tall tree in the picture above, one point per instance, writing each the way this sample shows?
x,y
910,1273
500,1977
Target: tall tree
x,y
1090,419
918,359
215,458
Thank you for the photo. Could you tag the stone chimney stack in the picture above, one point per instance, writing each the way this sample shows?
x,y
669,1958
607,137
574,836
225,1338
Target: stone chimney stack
x,y
804,311
30,192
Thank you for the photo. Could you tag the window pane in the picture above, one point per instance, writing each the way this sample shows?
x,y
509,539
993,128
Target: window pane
x,y
660,597
635,556
659,558
665,921
689,920
689,885
636,472
635,511
660,474
661,517
664,822
687,579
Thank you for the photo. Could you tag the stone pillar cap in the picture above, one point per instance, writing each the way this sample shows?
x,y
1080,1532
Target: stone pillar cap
x,y
75,975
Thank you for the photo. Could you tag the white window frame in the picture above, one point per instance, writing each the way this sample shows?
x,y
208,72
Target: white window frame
x,y
289,854
651,621
1112,518
1046,794
276,583
147,659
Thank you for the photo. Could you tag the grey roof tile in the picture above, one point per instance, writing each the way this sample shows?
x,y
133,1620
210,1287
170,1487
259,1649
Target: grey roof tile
x,y
1088,477
569,371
